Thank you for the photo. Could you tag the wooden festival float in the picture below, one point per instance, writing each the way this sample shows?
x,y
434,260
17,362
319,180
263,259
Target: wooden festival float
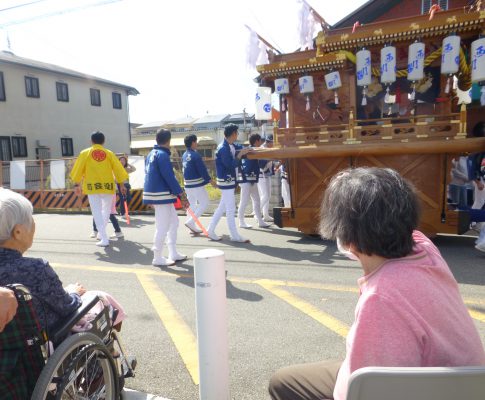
x,y
390,94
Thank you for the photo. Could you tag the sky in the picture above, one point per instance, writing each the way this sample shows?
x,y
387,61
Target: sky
x,y
185,57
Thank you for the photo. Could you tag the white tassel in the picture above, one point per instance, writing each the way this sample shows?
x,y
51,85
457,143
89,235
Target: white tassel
x,y
364,96
412,97
447,88
386,97
283,101
336,101
482,97
307,103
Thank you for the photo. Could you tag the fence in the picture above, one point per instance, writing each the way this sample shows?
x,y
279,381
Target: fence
x,y
47,185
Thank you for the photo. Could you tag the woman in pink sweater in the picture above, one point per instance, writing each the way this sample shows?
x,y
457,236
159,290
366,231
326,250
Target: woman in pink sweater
x,y
410,312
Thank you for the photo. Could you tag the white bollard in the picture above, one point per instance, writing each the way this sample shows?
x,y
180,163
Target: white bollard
x,y
211,314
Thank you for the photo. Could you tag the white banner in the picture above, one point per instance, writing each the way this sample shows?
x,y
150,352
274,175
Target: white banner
x,y
137,178
58,174
17,174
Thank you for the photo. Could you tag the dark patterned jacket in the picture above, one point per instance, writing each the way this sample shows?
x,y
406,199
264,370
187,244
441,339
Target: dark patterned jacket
x,y
51,302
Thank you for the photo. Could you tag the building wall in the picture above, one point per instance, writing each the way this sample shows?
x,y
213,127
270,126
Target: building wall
x,y
408,8
47,120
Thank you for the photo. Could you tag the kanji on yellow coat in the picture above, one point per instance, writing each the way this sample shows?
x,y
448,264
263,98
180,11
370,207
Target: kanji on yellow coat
x,y
98,168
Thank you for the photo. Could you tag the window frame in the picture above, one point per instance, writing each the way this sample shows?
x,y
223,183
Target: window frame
x,y
65,144
9,149
116,95
32,83
19,146
3,97
95,94
60,92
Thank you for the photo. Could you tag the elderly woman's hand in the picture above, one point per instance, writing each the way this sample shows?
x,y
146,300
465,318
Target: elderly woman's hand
x,y
75,288
8,307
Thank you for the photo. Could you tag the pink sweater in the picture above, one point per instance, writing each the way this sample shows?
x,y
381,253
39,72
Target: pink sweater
x,y
410,314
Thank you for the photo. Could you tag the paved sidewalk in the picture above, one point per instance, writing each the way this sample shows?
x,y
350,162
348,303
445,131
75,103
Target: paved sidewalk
x,y
129,394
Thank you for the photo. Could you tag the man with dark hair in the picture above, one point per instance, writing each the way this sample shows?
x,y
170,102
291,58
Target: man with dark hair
x,y
98,168
161,190
264,184
409,313
248,176
228,157
195,179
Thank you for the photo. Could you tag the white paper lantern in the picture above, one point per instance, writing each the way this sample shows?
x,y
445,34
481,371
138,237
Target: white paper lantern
x,y
450,55
281,86
388,64
364,68
478,60
333,81
263,103
306,84
416,62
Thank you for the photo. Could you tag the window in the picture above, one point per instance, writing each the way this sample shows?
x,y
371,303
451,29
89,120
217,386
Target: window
x,y
67,148
426,5
62,91
2,88
31,87
117,101
5,150
95,97
19,146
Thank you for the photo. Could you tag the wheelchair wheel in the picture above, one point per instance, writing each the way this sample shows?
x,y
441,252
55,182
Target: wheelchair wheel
x,y
80,368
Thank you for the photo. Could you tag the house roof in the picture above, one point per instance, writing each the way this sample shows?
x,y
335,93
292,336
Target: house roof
x,y
181,121
240,116
211,119
366,13
174,142
154,124
11,58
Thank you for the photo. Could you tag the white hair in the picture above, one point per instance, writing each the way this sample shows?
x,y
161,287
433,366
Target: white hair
x,y
15,209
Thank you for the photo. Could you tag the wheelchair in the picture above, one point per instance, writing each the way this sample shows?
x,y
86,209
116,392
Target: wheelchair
x,y
86,365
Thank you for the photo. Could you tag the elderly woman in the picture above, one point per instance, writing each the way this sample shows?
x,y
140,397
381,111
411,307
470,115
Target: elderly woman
x,y
410,312
51,301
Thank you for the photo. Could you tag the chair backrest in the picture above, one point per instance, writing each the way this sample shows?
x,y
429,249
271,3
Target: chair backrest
x,y
396,383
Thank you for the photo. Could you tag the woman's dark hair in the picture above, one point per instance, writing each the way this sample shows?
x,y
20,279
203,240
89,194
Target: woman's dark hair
x,y
189,139
163,136
229,129
123,158
253,138
373,209
97,137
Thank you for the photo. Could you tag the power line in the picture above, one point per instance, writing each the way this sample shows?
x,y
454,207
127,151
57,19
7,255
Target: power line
x,y
54,13
21,5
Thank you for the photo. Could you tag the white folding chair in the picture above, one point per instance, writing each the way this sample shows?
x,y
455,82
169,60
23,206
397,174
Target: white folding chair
x,y
436,383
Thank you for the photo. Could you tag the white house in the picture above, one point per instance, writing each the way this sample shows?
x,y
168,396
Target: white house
x,y
47,111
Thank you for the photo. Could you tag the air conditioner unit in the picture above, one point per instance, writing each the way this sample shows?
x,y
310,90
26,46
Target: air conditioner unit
x,y
40,143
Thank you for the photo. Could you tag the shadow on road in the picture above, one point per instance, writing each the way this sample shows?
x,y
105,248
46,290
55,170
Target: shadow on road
x,y
232,292
453,249
125,252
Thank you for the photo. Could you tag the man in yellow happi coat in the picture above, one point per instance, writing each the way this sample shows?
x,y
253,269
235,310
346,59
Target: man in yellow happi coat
x,y
98,168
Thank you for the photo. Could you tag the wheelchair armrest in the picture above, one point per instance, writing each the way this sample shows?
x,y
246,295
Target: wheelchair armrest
x,y
63,328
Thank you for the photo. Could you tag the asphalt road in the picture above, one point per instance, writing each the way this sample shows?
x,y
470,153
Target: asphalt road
x,y
290,298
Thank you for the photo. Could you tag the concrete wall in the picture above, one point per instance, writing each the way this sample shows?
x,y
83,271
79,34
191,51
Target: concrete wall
x,y
48,120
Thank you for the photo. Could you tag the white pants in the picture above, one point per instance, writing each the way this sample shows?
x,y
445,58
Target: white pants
x,y
264,187
166,224
227,205
198,199
249,190
101,208
285,193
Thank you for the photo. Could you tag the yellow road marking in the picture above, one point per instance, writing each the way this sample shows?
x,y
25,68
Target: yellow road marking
x,y
144,271
478,315
325,319
181,335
